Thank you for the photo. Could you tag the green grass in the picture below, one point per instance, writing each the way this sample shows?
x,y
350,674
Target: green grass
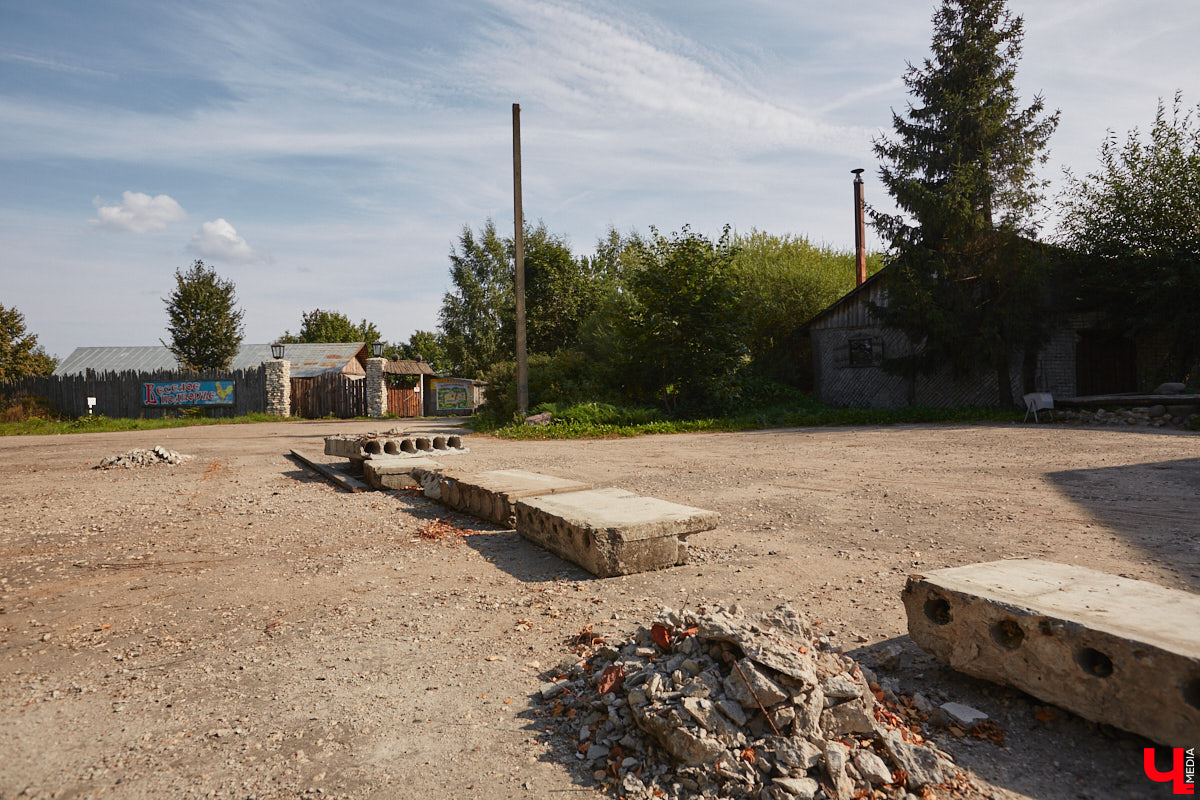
x,y
592,420
36,426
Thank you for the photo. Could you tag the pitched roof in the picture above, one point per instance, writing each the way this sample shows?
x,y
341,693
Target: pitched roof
x,y
402,366
861,291
307,360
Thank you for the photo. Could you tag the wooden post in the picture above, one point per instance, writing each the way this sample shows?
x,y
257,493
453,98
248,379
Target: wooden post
x,y
519,263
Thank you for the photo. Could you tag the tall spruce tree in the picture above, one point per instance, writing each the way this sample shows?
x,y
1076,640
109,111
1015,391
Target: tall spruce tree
x,y
205,325
967,284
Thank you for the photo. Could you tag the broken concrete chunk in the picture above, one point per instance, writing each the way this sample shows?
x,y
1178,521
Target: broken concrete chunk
x,y
836,758
872,767
732,710
919,763
801,788
797,753
841,687
1113,650
750,687
706,713
676,739
849,717
765,648
808,714
963,715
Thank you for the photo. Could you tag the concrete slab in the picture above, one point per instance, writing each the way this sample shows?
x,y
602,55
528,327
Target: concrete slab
x,y
611,531
394,472
360,446
1113,650
491,495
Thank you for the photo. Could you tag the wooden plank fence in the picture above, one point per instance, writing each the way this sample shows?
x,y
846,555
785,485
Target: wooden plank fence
x,y
403,402
330,395
120,394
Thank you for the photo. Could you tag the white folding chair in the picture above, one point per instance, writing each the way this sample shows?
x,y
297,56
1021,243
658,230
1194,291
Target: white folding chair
x,y
1037,401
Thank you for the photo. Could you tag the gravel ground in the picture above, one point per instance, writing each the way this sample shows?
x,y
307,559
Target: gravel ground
x,y
235,627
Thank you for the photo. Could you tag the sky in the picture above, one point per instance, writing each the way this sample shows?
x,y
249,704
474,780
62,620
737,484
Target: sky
x,y
328,155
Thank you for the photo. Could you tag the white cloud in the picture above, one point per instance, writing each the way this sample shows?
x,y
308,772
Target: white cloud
x,y
220,240
138,212
592,64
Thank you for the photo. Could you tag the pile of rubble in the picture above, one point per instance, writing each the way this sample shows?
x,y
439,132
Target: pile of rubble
x,y
143,458
1152,416
719,705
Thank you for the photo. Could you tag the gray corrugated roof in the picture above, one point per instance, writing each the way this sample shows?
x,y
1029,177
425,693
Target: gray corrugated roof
x,y
307,360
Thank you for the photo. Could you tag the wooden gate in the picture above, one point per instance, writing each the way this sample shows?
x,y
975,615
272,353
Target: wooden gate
x,y
403,402
330,395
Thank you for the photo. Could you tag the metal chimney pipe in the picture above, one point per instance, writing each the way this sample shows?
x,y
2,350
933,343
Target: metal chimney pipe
x,y
860,230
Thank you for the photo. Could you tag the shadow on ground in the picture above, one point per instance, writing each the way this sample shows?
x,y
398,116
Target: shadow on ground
x,y
1153,506
508,551
1032,730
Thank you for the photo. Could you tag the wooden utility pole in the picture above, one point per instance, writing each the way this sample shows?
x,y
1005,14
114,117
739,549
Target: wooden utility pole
x,y
519,263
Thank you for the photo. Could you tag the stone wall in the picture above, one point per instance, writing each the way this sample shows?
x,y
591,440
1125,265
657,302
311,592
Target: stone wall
x,y
376,388
279,387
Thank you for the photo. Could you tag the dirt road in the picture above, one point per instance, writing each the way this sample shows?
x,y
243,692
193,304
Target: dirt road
x,y
235,627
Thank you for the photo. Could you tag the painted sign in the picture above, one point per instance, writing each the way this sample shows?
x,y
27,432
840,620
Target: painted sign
x,y
188,393
452,395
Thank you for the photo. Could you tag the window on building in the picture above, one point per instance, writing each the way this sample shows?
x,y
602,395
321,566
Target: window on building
x,y
862,353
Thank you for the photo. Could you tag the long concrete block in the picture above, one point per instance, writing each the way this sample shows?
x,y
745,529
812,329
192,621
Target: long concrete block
x,y
363,446
611,531
391,472
1113,650
491,495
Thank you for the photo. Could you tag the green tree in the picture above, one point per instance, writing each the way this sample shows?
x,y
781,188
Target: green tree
x,y
1136,223
684,342
784,281
967,289
204,324
478,313
560,290
330,326
426,345
20,353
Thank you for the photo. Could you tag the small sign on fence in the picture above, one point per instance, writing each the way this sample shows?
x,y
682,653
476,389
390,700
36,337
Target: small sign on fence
x,y
188,393
452,395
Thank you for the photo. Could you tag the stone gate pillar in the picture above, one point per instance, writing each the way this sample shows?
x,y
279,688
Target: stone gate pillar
x,y
376,388
278,375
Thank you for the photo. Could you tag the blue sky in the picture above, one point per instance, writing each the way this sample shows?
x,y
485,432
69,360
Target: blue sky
x,y
328,154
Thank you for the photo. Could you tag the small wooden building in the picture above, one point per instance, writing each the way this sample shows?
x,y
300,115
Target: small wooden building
x,y
1083,356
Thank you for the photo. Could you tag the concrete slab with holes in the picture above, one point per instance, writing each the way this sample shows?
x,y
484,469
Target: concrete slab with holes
x,y
358,447
1113,650
612,532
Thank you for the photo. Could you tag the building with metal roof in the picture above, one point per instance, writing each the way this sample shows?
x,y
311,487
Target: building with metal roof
x,y
307,360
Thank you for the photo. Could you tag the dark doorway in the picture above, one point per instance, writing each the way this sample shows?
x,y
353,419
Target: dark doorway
x,y
1105,363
